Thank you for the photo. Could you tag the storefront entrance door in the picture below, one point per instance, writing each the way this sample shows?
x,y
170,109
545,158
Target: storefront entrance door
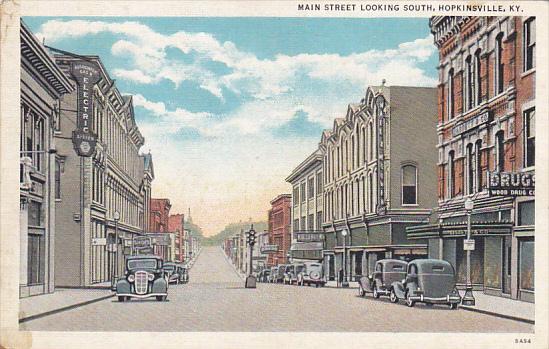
x,y
506,264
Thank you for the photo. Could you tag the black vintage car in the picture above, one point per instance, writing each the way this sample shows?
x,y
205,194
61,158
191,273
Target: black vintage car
x,y
264,275
176,273
431,281
386,272
144,277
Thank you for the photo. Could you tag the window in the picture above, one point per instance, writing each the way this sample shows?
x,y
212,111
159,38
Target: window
x,y
302,224
470,83
529,44
527,213
500,152
470,169
526,264
371,145
530,137
296,224
451,94
478,180
319,186
296,196
451,175
57,179
409,185
311,222
319,220
478,92
303,197
311,188
35,259
35,214
499,63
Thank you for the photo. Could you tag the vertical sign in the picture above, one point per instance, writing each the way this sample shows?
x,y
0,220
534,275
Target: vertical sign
x,y
380,102
86,74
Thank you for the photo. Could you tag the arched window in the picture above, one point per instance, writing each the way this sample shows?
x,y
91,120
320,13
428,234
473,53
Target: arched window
x,y
353,166
470,169
370,193
451,175
451,94
478,181
499,64
500,152
363,146
371,141
469,83
409,185
477,79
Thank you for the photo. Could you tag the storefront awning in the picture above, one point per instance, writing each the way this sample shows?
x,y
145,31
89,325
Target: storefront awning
x,y
459,229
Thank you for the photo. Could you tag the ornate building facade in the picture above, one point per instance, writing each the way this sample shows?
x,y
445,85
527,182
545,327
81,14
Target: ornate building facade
x,y
486,124
101,197
379,177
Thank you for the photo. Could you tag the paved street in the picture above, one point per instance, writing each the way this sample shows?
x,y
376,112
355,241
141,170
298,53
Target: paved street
x,y
215,300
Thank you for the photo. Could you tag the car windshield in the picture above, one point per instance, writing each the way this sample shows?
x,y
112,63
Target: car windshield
x,y
142,264
314,266
299,268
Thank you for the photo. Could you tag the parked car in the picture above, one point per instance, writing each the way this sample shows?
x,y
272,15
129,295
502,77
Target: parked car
x,y
431,281
184,272
386,272
292,270
273,275
144,277
279,277
312,273
264,275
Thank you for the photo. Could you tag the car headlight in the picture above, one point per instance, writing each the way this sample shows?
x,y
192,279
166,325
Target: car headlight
x,y
150,277
131,278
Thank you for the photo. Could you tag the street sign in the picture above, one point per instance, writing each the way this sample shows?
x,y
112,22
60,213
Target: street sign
x,y
99,241
268,249
141,242
468,244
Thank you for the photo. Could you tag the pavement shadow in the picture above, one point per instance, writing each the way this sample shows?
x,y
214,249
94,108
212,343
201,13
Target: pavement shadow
x,y
420,306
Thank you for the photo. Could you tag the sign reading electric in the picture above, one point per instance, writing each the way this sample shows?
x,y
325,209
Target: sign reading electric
x,y
87,75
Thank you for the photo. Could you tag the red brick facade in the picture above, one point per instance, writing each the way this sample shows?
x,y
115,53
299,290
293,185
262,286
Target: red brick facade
x,y
279,228
176,224
160,212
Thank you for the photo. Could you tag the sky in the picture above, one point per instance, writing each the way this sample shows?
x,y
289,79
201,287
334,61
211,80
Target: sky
x,y
230,106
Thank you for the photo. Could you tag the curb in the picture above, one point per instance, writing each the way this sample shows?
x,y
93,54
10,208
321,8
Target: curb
x,y
68,307
504,316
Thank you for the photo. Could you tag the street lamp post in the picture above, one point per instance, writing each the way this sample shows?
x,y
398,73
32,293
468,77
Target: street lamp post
x,y
250,239
116,218
345,282
468,298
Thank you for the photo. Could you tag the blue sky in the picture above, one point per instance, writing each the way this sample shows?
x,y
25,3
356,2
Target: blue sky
x,y
229,106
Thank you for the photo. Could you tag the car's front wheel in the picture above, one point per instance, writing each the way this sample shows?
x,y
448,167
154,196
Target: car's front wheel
x,y
361,292
161,298
409,301
393,297
453,306
375,292
121,298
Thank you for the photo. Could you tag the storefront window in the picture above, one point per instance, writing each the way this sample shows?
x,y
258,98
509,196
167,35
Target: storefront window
x,y
526,272
35,259
35,214
526,213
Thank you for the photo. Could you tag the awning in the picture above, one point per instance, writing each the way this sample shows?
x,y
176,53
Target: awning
x,y
447,230
307,246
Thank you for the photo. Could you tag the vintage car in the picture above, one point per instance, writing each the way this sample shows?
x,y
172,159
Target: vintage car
x,y
386,272
279,277
292,270
312,273
144,277
176,273
264,275
273,274
431,281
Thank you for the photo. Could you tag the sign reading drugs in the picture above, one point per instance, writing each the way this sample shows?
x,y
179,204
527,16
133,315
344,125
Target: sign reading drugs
x,y
511,184
86,74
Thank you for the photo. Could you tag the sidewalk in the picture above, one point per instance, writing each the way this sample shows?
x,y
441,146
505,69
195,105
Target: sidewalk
x,y
62,299
240,275
502,307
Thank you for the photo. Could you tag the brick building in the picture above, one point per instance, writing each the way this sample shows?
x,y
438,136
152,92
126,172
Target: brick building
x,y
486,125
176,225
159,215
279,218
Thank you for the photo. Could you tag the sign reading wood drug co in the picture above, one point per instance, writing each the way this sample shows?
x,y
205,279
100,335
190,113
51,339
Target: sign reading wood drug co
x,y
86,74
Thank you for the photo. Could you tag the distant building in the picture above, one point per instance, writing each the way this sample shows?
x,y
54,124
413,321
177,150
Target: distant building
x,y
176,225
42,85
279,217
159,217
307,209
